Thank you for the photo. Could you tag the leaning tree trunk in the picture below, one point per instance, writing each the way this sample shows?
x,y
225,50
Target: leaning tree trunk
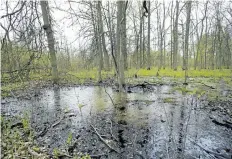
x,y
50,38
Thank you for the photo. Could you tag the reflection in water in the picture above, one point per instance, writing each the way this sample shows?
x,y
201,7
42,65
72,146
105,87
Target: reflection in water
x,y
180,149
99,102
181,132
137,118
57,105
170,135
120,110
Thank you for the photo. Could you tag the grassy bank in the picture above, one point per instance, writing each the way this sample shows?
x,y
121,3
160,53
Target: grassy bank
x,y
86,76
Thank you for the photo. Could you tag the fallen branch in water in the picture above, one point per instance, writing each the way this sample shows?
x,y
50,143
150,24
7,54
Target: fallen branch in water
x,y
58,122
208,86
98,156
208,151
46,129
109,96
111,132
225,123
99,136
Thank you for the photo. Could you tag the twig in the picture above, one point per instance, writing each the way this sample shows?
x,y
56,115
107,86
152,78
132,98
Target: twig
x,y
99,136
109,96
46,129
97,156
208,86
56,123
112,132
13,94
65,116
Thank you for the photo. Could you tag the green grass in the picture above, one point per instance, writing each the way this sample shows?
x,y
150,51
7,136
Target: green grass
x,y
180,73
84,76
169,100
7,89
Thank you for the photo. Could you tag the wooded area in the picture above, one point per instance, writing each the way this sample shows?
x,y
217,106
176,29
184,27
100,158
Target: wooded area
x,y
166,61
182,35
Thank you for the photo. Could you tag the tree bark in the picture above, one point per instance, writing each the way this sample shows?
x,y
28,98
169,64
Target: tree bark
x,y
175,37
121,14
102,37
149,37
50,38
189,3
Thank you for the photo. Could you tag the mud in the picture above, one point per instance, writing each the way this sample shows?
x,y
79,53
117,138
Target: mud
x,y
139,124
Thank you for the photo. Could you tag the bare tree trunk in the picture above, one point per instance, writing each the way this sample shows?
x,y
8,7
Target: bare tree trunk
x,y
143,33
111,35
141,38
50,37
137,43
206,32
121,9
219,39
229,54
175,37
171,25
214,49
124,39
189,3
160,39
102,35
148,37
118,32
183,44
99,42
163,35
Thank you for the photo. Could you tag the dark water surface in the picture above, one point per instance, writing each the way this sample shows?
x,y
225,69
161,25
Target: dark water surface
x,y
151,124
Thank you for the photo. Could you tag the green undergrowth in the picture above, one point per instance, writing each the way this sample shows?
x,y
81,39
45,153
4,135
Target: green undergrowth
x,y
17,141
169,100
179,73
206,87
9,88
164,76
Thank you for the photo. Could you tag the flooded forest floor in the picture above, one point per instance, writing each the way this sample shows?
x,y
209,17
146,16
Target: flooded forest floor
x,y
153,118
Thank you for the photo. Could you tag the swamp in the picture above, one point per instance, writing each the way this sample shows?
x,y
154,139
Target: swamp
x,y
116,79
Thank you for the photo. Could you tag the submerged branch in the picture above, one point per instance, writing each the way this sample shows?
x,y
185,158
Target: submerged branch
x,y
99,136
109,96
208,151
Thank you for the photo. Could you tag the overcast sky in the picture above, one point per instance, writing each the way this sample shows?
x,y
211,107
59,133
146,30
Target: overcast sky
x,y
75,36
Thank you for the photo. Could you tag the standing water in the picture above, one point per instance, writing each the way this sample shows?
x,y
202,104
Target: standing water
x,y
141,124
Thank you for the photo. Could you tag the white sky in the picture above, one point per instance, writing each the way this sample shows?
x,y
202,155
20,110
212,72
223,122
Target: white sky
x,y
74,34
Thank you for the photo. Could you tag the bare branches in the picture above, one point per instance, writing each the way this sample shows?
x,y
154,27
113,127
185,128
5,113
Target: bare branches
x,y
14,12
